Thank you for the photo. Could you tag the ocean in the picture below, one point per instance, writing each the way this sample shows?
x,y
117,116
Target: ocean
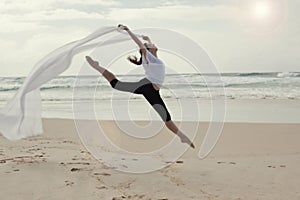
x,y
57,95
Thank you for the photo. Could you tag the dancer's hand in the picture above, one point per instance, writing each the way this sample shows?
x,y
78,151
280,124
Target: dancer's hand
x,y
145,37
123,27
92,62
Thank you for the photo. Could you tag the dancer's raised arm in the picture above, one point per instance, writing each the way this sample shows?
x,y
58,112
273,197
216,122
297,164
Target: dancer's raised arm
x,y
134,38
147,39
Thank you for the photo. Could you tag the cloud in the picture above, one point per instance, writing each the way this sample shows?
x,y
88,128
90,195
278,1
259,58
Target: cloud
x,y
30,29
11,25
174,12
19,56
23,15
35,5
61,14
92,2
18,7
38,20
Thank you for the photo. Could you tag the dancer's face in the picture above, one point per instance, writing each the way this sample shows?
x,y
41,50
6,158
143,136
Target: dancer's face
x,y
152,48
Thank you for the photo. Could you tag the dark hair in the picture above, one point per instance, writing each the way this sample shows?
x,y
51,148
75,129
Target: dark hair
x,y
134,59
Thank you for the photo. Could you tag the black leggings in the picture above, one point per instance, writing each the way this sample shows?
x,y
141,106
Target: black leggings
x,y
144,87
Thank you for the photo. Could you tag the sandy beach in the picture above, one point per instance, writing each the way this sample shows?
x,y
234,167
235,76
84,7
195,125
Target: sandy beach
x,y
98,79
250,161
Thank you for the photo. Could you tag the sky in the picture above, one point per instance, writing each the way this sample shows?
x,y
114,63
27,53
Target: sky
x,y
238,35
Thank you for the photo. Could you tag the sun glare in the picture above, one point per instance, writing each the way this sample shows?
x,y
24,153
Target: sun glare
x,y
261,16
262,10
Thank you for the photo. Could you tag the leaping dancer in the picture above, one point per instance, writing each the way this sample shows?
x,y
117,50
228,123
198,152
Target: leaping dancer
x,y
148,87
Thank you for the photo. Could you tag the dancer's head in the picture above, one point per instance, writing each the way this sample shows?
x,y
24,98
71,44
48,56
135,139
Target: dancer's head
x,y
150,47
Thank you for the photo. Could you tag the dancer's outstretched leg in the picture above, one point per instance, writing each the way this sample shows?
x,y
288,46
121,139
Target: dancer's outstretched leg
x,y
153,97
184,139
107,74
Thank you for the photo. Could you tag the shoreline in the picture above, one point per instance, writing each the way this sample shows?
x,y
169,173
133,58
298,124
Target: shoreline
x,y
243,110
145,120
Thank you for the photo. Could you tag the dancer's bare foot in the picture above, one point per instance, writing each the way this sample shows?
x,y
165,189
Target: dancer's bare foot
x,y
185,139
93,63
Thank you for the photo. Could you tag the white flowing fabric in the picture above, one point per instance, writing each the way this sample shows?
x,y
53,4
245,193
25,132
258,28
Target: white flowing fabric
x,y
21,117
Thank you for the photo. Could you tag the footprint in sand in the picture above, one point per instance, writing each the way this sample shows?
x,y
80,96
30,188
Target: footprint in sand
x,y
119,198
78,163
171,162
1,152
102,174
69,142
27,159
272,166
124,166
101,187
34,149
222,162
171,174
69,183
136,196
75,169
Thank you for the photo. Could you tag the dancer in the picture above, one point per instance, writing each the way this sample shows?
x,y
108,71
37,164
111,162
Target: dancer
x,y
148,87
